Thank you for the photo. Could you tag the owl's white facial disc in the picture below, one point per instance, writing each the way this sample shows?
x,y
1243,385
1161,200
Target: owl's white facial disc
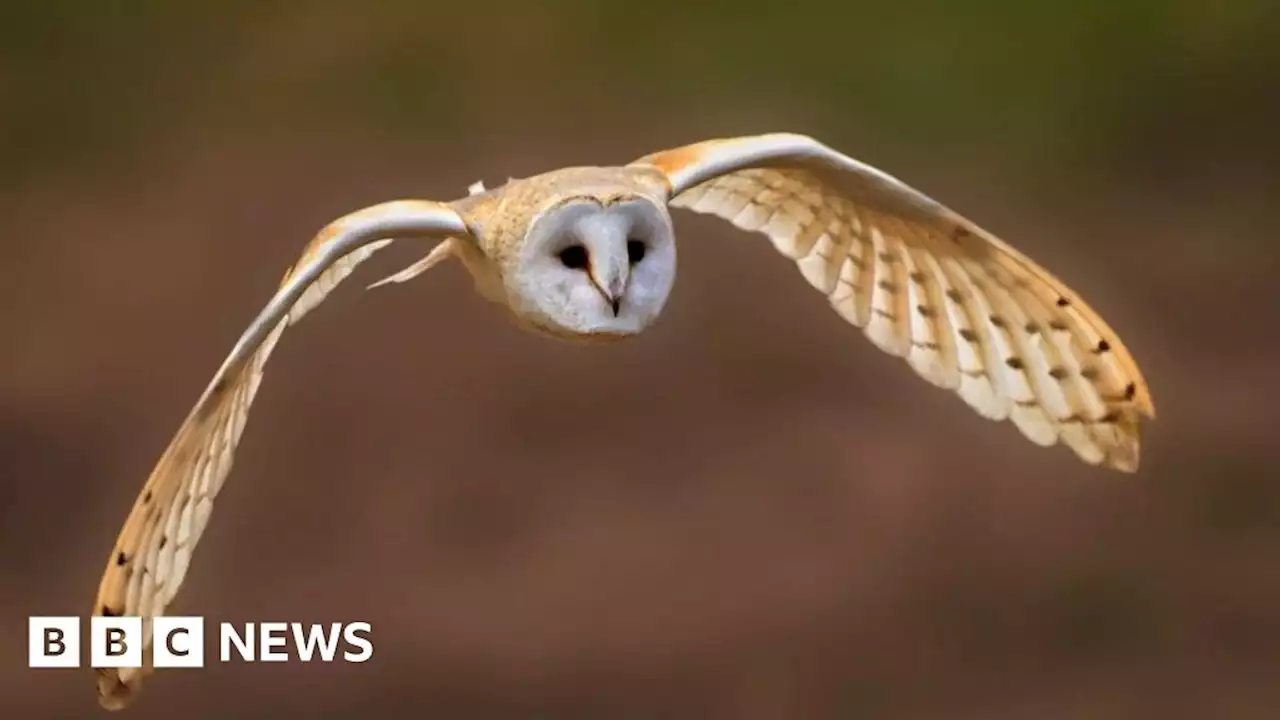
x,y
591,270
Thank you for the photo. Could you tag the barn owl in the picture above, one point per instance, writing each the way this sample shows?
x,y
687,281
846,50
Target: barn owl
x,y
588,254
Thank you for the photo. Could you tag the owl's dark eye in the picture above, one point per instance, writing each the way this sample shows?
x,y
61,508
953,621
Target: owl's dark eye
x,y
635,251
574,257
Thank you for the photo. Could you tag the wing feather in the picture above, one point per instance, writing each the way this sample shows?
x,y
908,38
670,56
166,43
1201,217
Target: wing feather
x,y
965,310
153,551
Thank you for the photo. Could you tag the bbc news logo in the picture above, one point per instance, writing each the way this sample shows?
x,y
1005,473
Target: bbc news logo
x,y
179,642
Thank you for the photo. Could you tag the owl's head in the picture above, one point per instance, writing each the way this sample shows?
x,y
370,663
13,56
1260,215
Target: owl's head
x,y
596,263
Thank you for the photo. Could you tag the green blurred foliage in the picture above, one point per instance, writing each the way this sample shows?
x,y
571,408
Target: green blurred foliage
x,y
83,76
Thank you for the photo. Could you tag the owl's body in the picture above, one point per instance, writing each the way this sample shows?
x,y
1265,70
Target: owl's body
x,y
588,254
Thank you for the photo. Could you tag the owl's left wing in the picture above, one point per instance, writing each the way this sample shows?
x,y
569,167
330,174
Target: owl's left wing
x,y
149,560
967,311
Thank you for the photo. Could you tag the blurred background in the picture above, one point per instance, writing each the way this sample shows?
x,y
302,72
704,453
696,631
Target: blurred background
x,y
775,520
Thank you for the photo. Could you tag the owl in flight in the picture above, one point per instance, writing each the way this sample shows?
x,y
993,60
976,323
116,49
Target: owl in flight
x,y
588,254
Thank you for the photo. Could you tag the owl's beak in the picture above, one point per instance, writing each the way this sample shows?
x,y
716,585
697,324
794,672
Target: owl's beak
x,y
609,267
614,286
613,295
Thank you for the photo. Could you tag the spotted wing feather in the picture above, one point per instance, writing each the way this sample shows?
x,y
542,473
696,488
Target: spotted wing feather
x,y
153,551
965,310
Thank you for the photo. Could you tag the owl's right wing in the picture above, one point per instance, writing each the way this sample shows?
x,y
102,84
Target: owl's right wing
x,y
151,555
966,310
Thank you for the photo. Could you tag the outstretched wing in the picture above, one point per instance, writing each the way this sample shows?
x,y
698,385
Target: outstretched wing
x,y
968,312
153,551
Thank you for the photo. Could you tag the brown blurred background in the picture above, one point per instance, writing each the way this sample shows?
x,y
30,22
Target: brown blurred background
x,y
748,512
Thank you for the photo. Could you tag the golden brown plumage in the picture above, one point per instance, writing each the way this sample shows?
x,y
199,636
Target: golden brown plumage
x,y
968,312
589,253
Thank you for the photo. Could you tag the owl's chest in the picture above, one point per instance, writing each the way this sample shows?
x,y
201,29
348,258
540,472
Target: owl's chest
x,y
554,332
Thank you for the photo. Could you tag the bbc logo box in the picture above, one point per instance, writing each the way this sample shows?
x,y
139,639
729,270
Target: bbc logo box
x,y
53,642
115,642
178,642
